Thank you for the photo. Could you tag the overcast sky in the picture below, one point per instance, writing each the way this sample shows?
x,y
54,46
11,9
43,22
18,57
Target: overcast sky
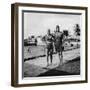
x,y
38,23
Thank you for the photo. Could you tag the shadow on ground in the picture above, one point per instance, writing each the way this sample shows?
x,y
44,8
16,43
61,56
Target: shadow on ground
x,y
69,68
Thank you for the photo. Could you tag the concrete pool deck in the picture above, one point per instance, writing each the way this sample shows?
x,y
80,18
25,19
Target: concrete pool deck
x,y
33,68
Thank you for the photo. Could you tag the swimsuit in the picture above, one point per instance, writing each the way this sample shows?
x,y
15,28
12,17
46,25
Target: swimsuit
x,y
58,41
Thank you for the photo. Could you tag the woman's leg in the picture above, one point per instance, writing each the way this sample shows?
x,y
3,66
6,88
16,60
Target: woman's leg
x,y
51,56
61,58
47,57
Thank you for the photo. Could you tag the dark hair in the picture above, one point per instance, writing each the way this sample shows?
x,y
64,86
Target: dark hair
x,y
57,27
48,30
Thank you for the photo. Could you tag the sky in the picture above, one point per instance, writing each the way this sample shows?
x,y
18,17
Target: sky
x,y
38,23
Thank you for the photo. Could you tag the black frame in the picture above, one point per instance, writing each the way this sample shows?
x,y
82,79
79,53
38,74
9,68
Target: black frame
x,y
14,43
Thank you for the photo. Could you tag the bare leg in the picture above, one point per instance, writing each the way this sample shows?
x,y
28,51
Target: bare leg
x,y
47,58
59,57
51,57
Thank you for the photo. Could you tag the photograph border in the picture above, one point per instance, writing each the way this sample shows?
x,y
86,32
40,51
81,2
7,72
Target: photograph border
x,y
14,43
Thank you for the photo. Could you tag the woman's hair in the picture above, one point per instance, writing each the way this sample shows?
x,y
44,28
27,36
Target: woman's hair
x,y
57,28
48,31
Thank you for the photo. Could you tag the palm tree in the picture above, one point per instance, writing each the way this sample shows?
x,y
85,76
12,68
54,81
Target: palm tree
x,y
77,32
